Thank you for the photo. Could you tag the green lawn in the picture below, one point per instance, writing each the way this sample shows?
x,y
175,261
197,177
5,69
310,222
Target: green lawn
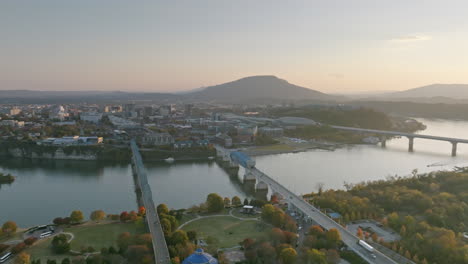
x,y
96,236
226,230
42,250
16,236
99,236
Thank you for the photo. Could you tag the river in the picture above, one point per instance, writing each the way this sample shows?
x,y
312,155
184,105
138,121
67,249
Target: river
x,y
45,189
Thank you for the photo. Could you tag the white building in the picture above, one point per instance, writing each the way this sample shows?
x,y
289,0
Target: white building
x,y
92,117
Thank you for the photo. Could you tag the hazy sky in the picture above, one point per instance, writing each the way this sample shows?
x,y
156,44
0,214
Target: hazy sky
x,y
328,45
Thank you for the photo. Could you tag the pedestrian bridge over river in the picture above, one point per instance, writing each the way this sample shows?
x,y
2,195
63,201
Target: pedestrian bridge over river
x,y
299,205
161,252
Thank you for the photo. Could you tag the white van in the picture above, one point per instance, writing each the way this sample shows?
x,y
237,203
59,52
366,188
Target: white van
x,y
45,234
5,257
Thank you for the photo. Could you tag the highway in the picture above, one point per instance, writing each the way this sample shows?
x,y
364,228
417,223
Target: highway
x,y
161,252
320,218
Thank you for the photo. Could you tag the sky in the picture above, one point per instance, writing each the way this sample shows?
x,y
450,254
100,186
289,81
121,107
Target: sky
x,y
335,46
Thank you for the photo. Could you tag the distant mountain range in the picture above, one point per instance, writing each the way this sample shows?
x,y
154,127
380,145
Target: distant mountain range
x,y
254,89
455,91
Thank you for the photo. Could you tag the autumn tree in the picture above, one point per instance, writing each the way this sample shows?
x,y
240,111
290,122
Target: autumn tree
x,y
162,209
97,215
333,237
23,258
214,203
288,256
236,201
141,211
359,233
76,216
9,228
227,202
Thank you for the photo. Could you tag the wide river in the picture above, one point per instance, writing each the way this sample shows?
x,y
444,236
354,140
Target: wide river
x,y
46,189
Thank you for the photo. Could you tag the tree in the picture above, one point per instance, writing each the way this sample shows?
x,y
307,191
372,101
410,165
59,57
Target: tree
x,y
76,216
214,202
98,215
333,237
18,248
179,237
60,244
359,233
246,201
236,201
9,228
124,240
315,256
316,230
23,258
66,261
162,209
30,240
267,212
227,202
124,216
142,211
403,231
166,227
192,235
288,256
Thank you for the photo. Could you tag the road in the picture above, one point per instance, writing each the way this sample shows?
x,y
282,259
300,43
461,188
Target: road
x,y
161,252
320,218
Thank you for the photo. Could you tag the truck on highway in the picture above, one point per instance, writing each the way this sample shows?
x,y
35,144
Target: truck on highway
x,y
368,247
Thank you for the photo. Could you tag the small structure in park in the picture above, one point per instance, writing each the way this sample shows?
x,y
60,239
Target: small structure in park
x,y
248,209
200,257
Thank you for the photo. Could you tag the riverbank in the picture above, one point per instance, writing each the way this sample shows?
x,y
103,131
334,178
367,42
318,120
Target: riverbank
x,y
291,145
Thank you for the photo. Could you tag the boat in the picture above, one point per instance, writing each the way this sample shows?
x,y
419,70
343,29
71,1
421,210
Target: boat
x,y
170,159
211,158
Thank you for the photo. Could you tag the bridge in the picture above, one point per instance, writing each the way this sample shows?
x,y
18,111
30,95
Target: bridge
x,y
410,136
161,252
298,204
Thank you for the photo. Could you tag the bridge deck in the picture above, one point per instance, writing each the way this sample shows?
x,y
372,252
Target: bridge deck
x,y
396,133
161,252
320,218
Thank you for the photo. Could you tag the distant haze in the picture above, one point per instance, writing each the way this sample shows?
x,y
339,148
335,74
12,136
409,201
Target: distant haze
x,y
166,46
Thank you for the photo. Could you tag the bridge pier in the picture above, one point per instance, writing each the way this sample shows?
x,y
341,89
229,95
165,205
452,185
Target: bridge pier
x,y
261,186
249,176
411,144
383,142
454,148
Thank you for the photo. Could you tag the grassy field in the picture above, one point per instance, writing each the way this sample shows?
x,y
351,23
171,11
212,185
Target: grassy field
x,y
226,230
16,236
42,250
96,236
99,236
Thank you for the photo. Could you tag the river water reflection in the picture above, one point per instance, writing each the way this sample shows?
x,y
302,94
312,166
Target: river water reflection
x,y
46,189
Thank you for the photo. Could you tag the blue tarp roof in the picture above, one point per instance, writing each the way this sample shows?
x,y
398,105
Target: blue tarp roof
x,y
200,257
